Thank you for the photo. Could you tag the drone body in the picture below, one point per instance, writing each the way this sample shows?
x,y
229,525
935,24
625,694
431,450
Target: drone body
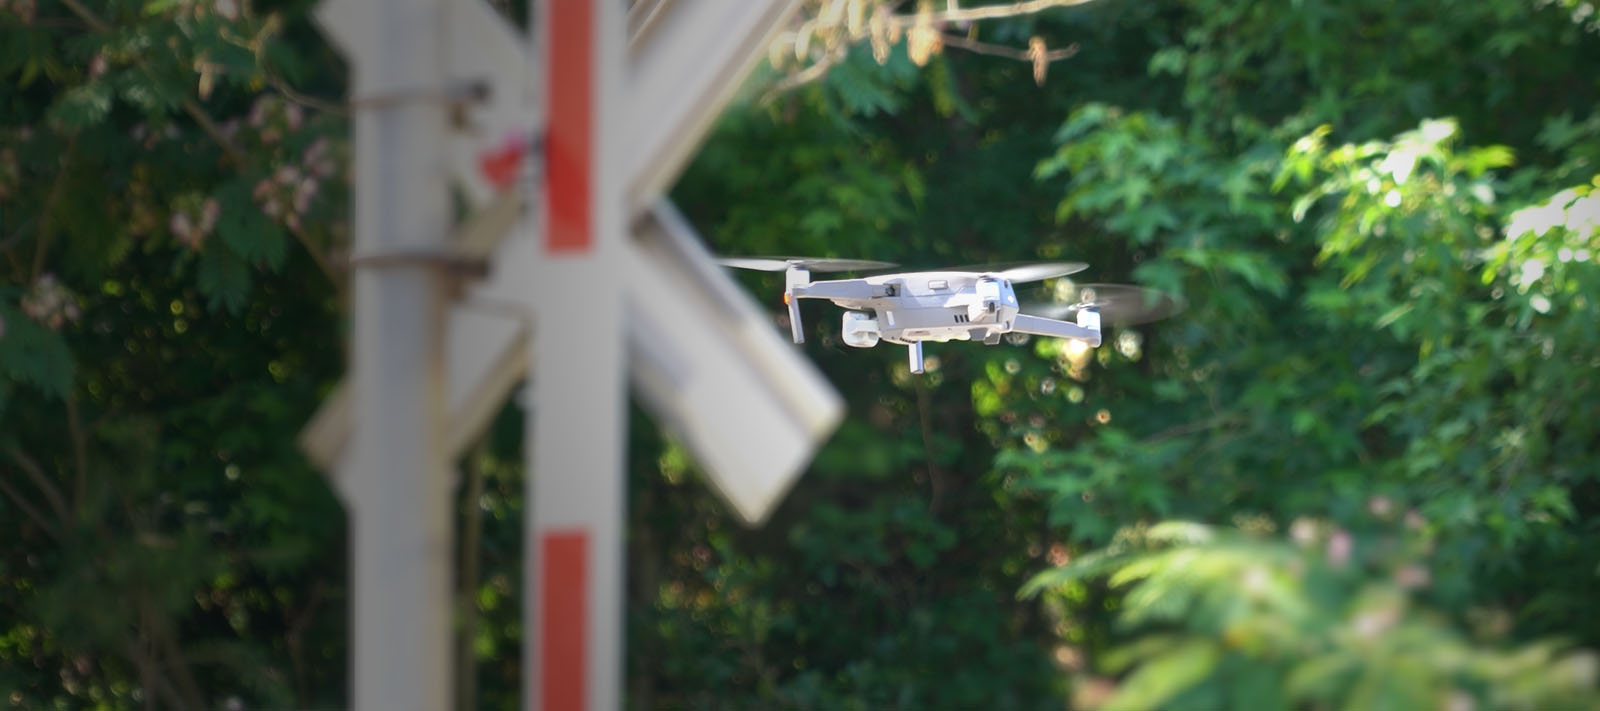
x,y
951,305
910,309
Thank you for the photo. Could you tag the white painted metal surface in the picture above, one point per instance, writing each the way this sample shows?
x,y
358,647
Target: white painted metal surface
x,y
685,60
750,407
394,478
712,370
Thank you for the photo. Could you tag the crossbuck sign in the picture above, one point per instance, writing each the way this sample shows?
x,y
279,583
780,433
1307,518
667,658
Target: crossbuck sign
x,y
586,274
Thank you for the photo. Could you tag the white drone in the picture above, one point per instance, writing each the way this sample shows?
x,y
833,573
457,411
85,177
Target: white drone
x,y
954,305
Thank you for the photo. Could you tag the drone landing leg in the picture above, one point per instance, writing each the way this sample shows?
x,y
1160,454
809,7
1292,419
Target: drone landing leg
x,y
795,276
916,356
796,329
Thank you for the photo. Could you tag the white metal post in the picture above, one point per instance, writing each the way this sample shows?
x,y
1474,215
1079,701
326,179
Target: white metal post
x,y
577,429
396,475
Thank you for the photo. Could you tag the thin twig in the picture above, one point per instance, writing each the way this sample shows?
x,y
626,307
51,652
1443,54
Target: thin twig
x,y
183,675
805,76
303,99
80,451
89,18
47,225
214,131
972,45
18,234
989,12
258,46
151,679
36,473
27,508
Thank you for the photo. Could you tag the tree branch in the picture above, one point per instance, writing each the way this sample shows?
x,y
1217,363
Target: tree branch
x,y
189,105
27,508
972,45
805,76
990,12
36,473
46,225
80,452
209,125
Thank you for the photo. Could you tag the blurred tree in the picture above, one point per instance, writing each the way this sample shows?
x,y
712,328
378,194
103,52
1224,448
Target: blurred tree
x,y
1382,215
168,305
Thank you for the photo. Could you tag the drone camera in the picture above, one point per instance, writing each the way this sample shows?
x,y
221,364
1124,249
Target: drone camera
x,y
860,329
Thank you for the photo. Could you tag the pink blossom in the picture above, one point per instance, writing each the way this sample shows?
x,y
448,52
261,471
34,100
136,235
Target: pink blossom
x,y
180,224
49,303
1380,506
209,212
286,175
97,66
258,111
1339,548
227,8
317,160
1059,555
1460,701
1303,531
1371,623
303,194
1411,577
315,151
1414,520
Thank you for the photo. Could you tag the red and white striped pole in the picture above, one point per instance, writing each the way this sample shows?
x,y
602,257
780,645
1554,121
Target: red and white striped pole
x,y
577,425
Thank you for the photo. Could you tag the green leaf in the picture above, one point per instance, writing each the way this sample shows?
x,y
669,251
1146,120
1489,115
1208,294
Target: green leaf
x,y
224,277
1163,677
253,236
82,106
35,355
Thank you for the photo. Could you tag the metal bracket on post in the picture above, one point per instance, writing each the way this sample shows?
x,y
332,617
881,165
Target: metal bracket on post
x,y
915,353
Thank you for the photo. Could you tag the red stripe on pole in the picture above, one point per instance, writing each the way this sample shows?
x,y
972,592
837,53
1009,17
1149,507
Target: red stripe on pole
x,y
569,143
563,672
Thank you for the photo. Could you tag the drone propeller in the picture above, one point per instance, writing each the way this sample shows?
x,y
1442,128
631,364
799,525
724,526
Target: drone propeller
x,y
815,264
1024,272
1118,304
797,270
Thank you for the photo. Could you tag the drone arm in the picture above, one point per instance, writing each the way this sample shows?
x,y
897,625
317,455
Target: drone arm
x,y
839,289
1088,329
798,285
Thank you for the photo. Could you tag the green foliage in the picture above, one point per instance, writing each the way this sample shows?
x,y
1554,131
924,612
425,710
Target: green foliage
x,y
1227,618
1381,214
161,345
